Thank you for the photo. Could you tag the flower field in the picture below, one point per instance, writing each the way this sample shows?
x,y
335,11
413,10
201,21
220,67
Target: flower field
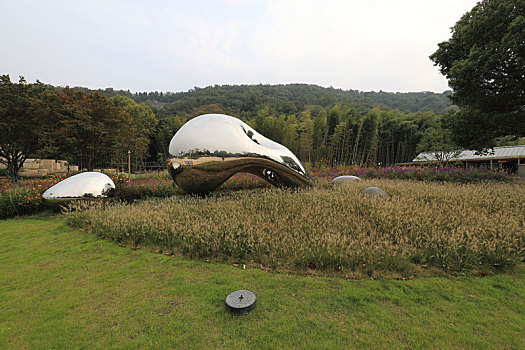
x,y
449,174
25,197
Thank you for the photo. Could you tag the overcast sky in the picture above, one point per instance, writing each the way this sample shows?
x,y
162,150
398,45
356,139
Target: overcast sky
x,y
176,45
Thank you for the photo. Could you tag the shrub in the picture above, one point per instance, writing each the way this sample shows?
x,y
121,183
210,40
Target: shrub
x,y
118,178
25,196
20,201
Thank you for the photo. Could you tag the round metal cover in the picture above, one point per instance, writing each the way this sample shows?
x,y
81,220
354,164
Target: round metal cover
x,y
240,302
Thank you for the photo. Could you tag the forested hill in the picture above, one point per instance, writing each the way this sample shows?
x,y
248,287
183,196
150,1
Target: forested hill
x,y
245,100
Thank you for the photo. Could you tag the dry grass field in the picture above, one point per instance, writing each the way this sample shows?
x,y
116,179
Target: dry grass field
x,y
420,229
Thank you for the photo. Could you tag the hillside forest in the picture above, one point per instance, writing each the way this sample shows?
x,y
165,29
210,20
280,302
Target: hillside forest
x,y
97,128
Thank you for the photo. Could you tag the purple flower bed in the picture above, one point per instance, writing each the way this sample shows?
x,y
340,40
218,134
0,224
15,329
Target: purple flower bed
x,y
450,174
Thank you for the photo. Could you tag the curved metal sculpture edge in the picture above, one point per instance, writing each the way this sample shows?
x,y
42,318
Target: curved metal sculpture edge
x,y
209,149
88,185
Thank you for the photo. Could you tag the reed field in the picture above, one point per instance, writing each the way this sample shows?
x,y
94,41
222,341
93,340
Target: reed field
x,y
422,228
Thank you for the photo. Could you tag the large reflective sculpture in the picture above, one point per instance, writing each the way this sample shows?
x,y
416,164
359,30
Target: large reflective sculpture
x,y
83,185
210,148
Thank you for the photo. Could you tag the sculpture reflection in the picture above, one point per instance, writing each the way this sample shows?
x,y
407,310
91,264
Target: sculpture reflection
x,y
83,185
209,149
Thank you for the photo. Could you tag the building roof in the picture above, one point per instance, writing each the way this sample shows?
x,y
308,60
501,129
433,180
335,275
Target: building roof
x,y
493,153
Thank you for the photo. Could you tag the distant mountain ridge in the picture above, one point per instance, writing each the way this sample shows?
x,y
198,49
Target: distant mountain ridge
x,y
246,100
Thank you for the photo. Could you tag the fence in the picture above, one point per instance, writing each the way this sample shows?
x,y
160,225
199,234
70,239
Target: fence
x,y
135,166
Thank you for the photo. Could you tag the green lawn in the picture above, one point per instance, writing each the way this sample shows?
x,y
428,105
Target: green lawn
x,y
62,288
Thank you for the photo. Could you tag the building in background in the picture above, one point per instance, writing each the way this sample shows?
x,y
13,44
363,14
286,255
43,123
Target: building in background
x,y
43,167
507,158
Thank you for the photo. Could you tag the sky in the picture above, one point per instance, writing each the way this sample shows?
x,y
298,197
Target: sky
x,y
367,45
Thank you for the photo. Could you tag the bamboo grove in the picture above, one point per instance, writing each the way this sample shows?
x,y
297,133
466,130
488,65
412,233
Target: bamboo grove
x,y
345,135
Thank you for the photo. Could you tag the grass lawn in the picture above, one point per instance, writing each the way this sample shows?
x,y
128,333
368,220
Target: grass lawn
x,y
62,288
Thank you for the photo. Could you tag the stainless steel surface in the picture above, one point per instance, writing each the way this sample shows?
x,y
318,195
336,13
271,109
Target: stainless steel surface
x,y
83,185
345,179
209,149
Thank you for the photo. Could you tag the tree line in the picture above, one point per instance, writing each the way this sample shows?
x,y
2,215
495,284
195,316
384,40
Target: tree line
x,y
245,100
93,130
355,132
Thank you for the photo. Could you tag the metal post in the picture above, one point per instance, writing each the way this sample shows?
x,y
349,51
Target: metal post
x,y
129,165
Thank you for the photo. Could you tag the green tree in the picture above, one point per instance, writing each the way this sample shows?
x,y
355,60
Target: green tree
x,y
290,137
484,63
305,141
437,143
139,131
337,144
90,127
320,130
48,107
268,126
369,132
21,114
510,141
333,119
166,128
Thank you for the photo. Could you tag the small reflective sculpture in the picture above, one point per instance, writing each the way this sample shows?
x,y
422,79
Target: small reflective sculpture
x,y
344,179
83,185
209,149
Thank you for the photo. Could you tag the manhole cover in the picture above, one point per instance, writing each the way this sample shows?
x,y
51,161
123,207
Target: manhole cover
x,y
240,302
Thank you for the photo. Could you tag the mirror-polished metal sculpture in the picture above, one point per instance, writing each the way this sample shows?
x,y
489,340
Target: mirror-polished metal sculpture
x,y
83,185
209,149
